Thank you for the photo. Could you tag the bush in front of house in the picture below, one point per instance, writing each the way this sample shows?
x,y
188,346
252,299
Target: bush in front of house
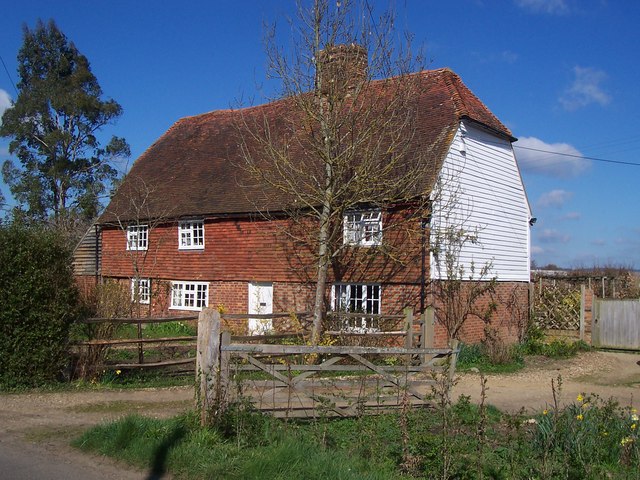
x,y
38,305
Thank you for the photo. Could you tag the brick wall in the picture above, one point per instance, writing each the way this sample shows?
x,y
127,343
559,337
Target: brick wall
x,y
232,297
240,251
260,251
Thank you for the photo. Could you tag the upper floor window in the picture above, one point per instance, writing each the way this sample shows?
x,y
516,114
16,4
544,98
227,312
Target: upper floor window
x,y
137,237
141,290
363,228
191,235
189,295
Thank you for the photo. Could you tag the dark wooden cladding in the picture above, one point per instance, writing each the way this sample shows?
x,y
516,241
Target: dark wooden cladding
x,y
87,254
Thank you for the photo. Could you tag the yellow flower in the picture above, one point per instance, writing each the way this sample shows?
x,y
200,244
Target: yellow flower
x,y
579,416
605,434
545,412
585,405
633,426
634,417
580,398
634,410
118,372
626,440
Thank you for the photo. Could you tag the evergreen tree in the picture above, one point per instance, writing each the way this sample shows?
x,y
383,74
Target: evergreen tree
x,y
64,170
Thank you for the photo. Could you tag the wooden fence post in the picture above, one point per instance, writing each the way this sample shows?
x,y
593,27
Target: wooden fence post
x,y
408,327
582,308
429,327
595,322
207,360
223,378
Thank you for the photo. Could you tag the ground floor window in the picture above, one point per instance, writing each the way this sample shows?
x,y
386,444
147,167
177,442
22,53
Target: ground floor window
x,y
355,298
189,295
141,290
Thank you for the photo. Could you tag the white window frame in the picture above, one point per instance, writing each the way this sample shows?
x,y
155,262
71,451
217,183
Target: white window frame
x,y
137,237
363,228
141,294
363,294
191,235
186,295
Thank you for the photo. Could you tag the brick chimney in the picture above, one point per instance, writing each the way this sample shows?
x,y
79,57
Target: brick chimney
x,y
341,68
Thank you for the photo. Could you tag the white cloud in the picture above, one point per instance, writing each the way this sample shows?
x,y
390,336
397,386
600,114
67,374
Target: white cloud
x,y
549,235
585,89
554,7
554,198
5,102
550,159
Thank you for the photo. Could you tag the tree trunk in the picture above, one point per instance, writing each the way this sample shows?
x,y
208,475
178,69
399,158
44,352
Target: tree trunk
x,y
321,280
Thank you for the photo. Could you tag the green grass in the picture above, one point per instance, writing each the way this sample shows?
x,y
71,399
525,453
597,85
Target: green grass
x,y
156,330
188,451
590,439
513,358
109,380
475,356
119,407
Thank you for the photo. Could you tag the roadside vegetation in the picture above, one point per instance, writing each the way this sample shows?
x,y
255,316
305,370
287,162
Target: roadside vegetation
x,y
588,439
493,357
35,318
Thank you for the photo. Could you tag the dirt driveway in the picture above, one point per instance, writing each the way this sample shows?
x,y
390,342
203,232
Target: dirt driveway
x,y
51,420
607,374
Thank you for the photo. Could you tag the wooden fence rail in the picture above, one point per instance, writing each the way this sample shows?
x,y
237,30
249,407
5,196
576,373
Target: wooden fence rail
x,y
178,341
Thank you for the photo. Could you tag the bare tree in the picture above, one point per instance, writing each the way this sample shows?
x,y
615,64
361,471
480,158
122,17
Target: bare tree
x,y
342,139
460,285
138,218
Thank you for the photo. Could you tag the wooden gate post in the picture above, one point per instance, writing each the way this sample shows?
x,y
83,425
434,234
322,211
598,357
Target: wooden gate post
x,y
582,308
207,361
408,327
595,323
429,327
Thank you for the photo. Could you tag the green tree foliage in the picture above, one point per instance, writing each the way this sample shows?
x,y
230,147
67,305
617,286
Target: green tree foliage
x,y
64,169
39,304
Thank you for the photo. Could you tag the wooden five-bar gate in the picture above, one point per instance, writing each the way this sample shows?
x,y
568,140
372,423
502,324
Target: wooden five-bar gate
x,y
301,380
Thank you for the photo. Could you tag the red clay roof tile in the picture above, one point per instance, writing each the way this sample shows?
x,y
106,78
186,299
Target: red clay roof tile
x,y
192,170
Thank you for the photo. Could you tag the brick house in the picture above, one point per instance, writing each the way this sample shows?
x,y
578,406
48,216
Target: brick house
x,y
184,229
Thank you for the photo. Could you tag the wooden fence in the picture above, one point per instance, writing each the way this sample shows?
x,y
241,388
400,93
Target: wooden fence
x,y
299,380
561,309
96,347
616,324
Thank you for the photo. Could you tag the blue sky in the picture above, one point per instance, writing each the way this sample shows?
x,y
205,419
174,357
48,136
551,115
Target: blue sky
x,y
562,74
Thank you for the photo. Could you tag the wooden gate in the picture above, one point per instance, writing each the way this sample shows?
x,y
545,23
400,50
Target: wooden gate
x,y
616,324
309,381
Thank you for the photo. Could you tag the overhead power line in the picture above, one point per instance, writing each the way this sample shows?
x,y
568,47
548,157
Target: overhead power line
x,y
8,75
595,159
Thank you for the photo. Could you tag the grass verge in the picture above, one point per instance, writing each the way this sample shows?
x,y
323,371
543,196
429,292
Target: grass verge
x,y
589,439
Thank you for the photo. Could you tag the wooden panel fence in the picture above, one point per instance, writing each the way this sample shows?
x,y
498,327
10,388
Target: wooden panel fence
x,y
616,324
300,380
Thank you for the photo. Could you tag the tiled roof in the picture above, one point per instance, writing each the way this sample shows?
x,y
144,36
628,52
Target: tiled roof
x,y
193,169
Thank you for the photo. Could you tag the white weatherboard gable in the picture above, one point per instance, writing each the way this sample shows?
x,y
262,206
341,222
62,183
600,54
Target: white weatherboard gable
x,y
480,191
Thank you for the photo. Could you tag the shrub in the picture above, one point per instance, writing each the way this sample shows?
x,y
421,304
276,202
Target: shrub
x,y
39,304
110,300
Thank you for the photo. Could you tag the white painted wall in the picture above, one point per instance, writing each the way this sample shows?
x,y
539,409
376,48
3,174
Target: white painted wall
x,y
480,190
